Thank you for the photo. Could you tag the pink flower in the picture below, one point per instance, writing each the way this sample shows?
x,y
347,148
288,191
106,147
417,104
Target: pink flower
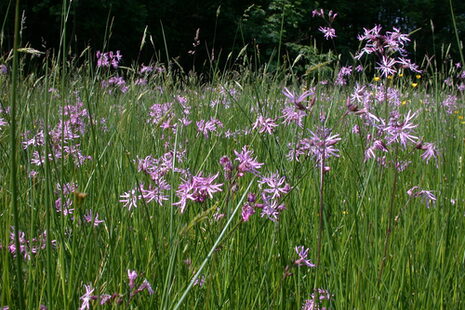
x,y
328,32
302,260
264,125
246,162
132,276
87,297
196,188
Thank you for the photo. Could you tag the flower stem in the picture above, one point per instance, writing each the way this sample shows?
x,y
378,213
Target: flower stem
x,y
13,162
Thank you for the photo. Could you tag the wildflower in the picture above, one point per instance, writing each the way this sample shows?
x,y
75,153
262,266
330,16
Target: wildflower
x,y
90,218
247,211
196,188
302,260
328,32
297,100
205,127
199,281
450,103
3,69
264,125
246,162
130,198
87,297
414,85
376,78
132,276
401,131
155,193
313,303
145,286
316,12
292,115
430,151
146,69
276,185
271,209
427,195
108,59
387,66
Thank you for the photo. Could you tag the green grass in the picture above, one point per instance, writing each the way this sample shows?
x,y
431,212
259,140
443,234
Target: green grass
x,y
246,265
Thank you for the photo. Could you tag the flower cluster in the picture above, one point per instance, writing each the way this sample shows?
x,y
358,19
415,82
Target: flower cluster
x,y
273,187
30,247
302,252
427,195
389,48
64,137
319,146
116,298
315,303
196,188
296,112
328,32
109,59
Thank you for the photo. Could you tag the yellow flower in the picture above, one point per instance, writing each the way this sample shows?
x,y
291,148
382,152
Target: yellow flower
x,y
345,212
414,85
404,102
418,76
376,78
390,77
456,112
401,74
460,117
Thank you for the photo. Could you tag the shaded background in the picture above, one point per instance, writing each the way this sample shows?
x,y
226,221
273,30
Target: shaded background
x,y
227,26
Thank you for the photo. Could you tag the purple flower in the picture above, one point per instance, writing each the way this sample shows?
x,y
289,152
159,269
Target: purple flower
x,y
430,151
145,286
3,69
401,132
108,59
302,260
387,66
87,297
132,276
247,211
293,115
313,303
155,193
276,185
146,69
297,100
196,188
328,32
317,12
319,146
90,218
427,195
200,281
271,209
129,199
205,127
246,162
264,125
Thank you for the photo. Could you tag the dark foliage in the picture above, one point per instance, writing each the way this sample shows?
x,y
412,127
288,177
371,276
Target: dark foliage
x,y
226,26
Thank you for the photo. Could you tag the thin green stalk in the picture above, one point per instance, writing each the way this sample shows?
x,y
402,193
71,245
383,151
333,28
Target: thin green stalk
x,y
390,217
13,160
456,32
48,203
218,240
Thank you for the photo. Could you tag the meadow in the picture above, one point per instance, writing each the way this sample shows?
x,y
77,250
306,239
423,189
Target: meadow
x,y
143,187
